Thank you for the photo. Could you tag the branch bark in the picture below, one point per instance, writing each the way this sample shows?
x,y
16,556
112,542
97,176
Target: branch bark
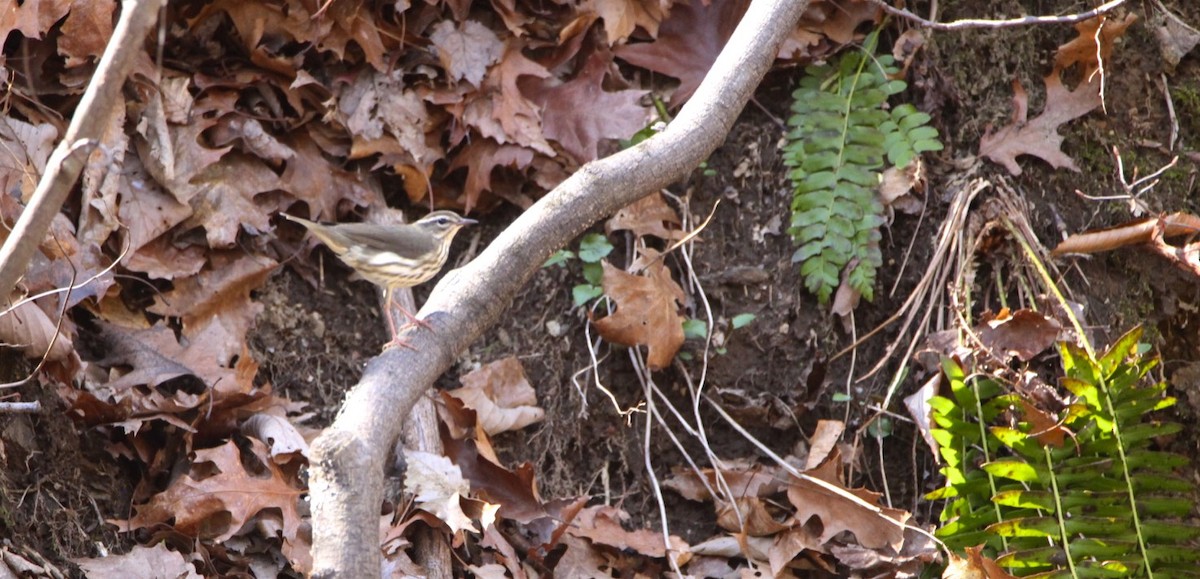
x,y
346,484
99,101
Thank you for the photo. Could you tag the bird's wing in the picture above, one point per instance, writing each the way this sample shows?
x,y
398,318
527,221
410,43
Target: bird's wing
x,y
407,242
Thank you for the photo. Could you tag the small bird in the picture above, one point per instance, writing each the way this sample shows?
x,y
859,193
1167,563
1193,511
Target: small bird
x,y
392,256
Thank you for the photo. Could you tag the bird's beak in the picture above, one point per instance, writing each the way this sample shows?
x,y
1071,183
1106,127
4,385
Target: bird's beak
x,y
466,221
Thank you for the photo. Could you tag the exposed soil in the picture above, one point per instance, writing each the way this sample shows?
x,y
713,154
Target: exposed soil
x,y
58,484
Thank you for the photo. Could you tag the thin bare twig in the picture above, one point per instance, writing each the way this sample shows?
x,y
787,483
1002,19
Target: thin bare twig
x,y
34,407
99,101
1009,23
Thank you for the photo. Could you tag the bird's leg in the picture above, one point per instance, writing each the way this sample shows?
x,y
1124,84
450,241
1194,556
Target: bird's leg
x,y
395,342
411,318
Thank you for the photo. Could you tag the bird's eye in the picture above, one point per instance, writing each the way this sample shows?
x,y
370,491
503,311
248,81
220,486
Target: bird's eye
x,y
443,221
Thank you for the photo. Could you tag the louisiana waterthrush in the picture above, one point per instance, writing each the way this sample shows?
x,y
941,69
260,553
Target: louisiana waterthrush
x,y
392,256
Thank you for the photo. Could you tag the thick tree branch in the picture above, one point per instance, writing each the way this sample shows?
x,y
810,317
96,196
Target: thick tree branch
x,y
346,485
99,101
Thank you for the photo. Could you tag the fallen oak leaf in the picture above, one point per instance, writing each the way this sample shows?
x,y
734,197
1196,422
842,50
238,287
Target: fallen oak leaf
x,y
647,312
501,396
218,496
875,527
1039,137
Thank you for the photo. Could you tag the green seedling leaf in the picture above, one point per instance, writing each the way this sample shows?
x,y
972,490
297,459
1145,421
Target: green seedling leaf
x,y
841,397
742,320
585,292
881,427
694,329
560,257
594,247
593,273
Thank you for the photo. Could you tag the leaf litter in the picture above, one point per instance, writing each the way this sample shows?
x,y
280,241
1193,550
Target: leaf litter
x,y
209,154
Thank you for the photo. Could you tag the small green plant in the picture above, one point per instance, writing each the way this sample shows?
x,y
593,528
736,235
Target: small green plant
x,y
1084,495
841,135
593,248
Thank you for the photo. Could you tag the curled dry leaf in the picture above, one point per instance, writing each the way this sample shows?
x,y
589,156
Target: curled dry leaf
x,y
1175,37
1083,49
649,215
438,486
973,566
647,312
30,329
515,491
501,396
1130,233
278,432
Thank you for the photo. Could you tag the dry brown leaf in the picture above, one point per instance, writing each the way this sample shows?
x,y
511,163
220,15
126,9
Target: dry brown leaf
x,y
622,16
156,561
973,566
823,442
86,31
649,215
501,396
1175,37
1039,137
687,44
789,544
218,496
602,524
582,559
745,479
500,110
1130,233
1023,334
26,148
466,50
30,329
1083,49
922,413
748,515
481,157
515,491
874,529
647,312
896,185
221,290
580,114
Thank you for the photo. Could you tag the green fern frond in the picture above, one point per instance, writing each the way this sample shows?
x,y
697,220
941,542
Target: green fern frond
x,y
1103,504
841,136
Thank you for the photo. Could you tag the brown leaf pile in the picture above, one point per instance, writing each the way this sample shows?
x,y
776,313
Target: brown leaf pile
x,y
252,107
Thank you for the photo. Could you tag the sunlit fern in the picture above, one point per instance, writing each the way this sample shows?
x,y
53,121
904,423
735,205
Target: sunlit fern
x,y
841,135
1103,504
